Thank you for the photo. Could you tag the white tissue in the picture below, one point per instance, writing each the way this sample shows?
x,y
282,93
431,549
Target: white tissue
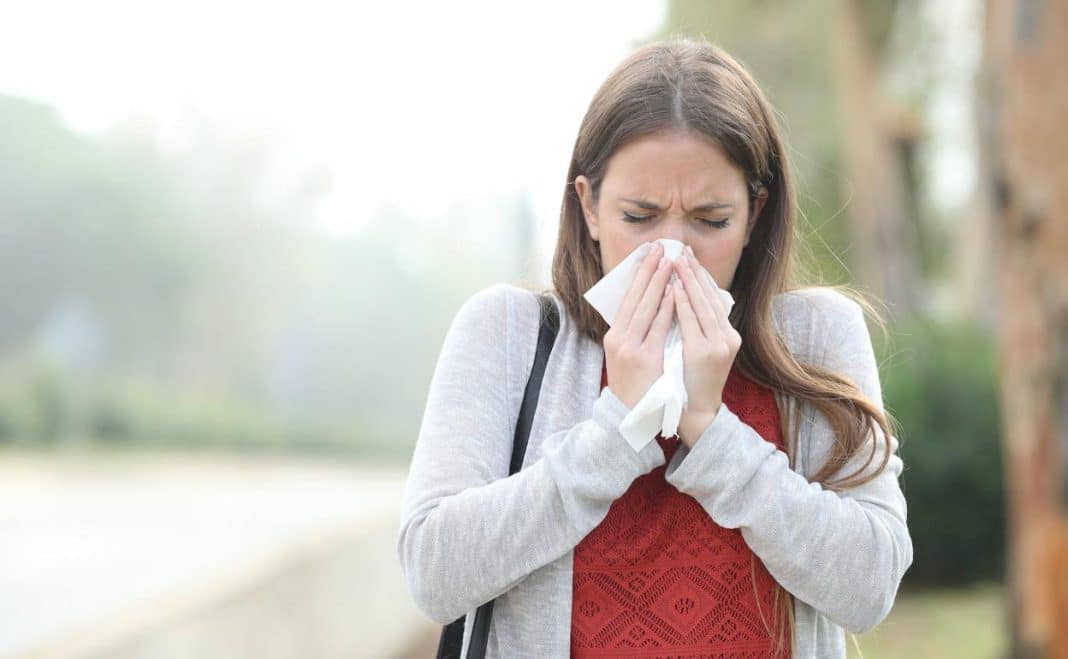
x,y
661,407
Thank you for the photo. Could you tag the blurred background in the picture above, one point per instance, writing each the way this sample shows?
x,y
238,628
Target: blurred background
x,y
233,236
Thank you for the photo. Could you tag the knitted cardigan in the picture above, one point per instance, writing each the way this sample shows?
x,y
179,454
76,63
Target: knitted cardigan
x,y
470,533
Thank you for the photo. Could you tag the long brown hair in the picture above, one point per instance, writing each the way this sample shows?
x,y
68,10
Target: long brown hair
x,y
683,83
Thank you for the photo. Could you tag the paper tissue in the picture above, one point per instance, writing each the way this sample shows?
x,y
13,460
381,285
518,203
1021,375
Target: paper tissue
x,y
660,409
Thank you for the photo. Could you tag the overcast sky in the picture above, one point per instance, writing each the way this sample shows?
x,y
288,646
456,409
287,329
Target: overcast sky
x,y
420,106
415,105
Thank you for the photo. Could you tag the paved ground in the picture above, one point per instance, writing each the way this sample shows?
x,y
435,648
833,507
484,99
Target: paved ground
x,y
85,535
423,646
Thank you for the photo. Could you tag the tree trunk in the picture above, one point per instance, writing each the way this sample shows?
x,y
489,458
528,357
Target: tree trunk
x,y
884,253
1025,94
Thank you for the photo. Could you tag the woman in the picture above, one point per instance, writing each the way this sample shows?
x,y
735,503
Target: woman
x,y
774,520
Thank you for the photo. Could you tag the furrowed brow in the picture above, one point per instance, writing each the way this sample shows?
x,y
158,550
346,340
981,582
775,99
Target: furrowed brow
x,y
703,208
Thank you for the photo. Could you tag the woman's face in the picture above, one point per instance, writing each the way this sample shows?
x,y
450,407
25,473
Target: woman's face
x,y
685,188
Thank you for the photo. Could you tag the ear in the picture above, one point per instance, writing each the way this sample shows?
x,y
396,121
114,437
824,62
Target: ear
x,y
585,195
758,206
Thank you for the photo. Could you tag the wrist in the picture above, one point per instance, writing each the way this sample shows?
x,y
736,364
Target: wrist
x,y
694,424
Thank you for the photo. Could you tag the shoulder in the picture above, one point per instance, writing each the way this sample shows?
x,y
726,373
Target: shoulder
x,y
813,319
501,315
480,323
499,304
497,326
820,302
484,304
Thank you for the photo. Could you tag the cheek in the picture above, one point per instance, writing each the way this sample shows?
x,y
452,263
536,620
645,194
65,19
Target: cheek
x,y
617,247
722,251
721,257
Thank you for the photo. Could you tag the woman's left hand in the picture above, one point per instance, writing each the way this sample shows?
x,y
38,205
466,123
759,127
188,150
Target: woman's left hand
x,y
709,345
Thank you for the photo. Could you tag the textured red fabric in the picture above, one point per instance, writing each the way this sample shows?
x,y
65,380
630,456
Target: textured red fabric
x,y
659,578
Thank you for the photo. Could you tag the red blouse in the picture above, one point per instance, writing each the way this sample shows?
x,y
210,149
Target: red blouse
x,y
658,578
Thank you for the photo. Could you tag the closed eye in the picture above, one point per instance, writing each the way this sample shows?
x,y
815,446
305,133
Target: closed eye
x,y
638,219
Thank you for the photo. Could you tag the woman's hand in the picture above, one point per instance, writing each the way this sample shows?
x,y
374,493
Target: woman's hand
x,y
634,344
709,345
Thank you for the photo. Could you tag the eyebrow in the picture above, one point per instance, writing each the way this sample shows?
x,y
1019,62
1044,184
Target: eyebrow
x,y
703,208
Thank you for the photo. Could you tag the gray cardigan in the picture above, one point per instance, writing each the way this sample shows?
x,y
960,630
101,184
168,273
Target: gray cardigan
x,y
470,533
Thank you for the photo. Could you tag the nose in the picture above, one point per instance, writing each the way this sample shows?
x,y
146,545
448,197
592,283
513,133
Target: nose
x,y
674,232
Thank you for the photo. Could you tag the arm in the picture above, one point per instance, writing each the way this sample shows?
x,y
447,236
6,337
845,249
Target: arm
x,y
842,553
469,532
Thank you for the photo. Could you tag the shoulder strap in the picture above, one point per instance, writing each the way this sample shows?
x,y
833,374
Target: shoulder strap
x,y
452,635
550,323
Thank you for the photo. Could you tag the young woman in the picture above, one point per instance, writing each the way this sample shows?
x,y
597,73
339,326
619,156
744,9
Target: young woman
x,y
773,521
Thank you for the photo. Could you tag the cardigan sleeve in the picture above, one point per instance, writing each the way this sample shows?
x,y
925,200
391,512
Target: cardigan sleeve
x,y
469,532
843,553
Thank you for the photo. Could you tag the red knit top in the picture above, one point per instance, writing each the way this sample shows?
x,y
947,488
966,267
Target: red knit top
x,y
658,578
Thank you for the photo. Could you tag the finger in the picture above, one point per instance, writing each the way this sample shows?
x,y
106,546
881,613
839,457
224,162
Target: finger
x,y
650,302
662,324
688,325
708,285
699,302
637,287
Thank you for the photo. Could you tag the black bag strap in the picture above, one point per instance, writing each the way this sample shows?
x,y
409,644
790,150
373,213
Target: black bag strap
x,y
451,642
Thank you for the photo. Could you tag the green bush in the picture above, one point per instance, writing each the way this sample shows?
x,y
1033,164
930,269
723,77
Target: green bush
x,y
110,420
42,404
51,404
9,423
939,381
36,404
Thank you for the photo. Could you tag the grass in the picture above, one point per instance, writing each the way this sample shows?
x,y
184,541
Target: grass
x,y
965,623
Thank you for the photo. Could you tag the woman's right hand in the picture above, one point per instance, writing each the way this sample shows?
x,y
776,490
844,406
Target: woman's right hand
x,y
634,344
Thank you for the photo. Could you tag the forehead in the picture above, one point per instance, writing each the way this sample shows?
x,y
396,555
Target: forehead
x,y
664,163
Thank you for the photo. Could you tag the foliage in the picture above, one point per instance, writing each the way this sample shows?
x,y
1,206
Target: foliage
x,y
940,384
43,405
